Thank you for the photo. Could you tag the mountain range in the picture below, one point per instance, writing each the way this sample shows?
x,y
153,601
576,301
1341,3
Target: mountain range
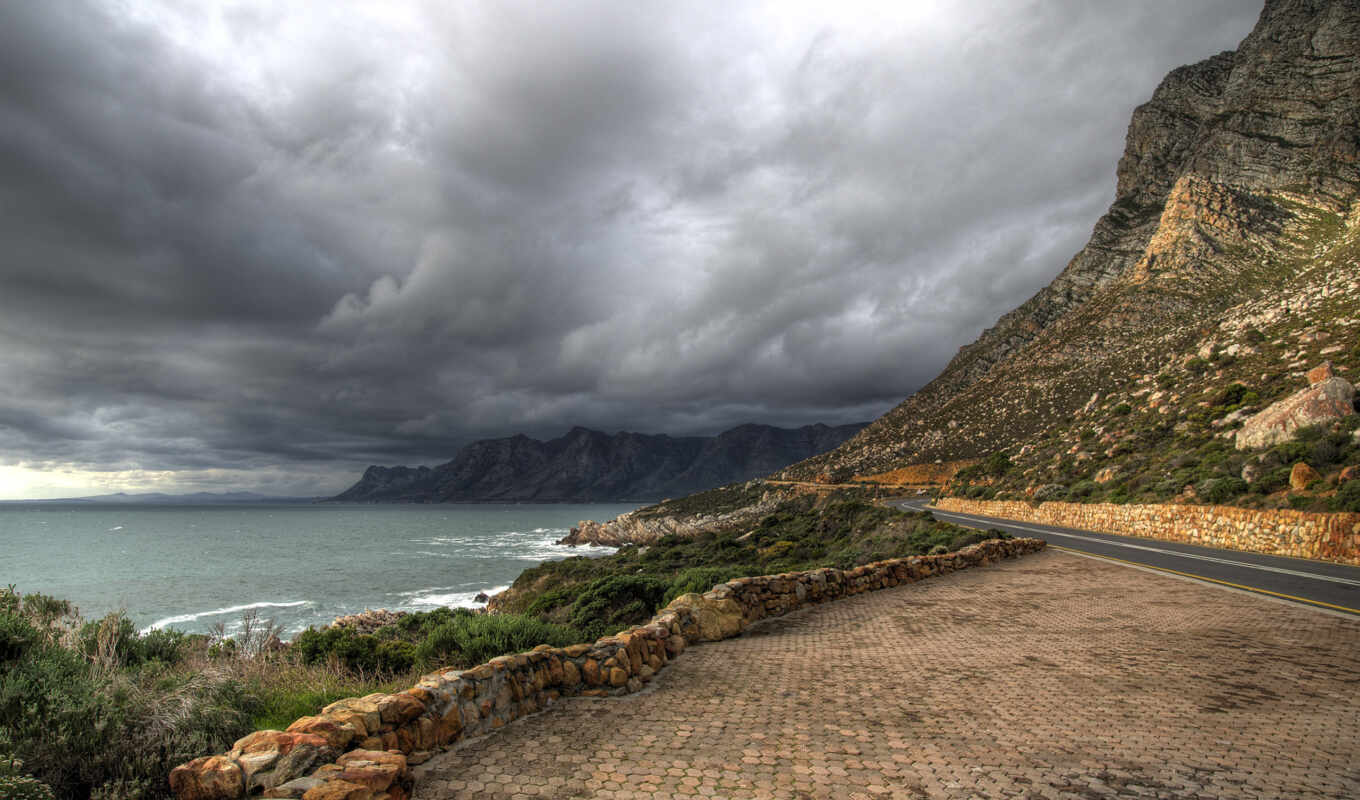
x,y
590,466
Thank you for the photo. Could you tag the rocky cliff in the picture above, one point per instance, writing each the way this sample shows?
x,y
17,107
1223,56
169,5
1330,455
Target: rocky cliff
x,y
1236,195
589,466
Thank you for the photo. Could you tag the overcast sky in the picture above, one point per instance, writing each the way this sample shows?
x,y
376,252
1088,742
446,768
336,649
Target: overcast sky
x,y
259,245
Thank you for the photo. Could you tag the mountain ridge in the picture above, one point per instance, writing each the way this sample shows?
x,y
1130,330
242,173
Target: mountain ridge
x,y
585,465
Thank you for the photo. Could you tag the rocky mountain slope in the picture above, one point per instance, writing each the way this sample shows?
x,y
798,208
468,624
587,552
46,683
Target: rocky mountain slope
x,y
1235,209
1226,268
586,466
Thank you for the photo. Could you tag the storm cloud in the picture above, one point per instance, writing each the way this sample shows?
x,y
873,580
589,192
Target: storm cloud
x,y
260,245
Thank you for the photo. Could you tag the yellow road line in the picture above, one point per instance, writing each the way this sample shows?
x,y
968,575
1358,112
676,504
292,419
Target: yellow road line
x,y
1211,580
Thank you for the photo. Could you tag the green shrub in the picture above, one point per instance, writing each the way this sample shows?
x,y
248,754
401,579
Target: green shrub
x,y
699,579
1220,490
90,731
608,604
1082,490
473,639
15,785
1326,451
357,652
1123,409
1347,497
1273,481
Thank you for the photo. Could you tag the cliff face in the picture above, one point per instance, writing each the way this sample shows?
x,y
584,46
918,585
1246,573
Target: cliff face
x,y
1238,185
589,466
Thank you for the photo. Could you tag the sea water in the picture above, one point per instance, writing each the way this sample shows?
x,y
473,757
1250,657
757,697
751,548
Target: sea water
x,y
193,568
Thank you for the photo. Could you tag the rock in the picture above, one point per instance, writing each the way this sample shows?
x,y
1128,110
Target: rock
x,y
339,790
1106,475
617,676
369,621
208,778
361,712
1322,402
399,709
336,735
1301,476
372,768
590,670
481,598
715,619
299,761
570,674
1349,474
1250,472
1320,373
295,788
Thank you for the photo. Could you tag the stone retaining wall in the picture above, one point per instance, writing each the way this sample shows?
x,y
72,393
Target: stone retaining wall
x,y
361,748
1326,537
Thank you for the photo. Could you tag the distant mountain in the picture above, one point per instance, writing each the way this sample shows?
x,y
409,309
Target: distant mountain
x,y
590,466
161,499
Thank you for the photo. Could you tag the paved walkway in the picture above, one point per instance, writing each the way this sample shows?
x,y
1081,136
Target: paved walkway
x,y
1053,676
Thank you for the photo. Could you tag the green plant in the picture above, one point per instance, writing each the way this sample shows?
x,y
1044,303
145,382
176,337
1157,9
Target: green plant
x,y
472,639
1220,490
1347,498
1122,410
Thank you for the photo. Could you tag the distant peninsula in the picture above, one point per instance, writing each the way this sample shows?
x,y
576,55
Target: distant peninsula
x,y
586,466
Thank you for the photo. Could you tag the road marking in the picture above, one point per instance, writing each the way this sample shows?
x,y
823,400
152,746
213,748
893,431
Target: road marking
x,y
1244,587
1262,567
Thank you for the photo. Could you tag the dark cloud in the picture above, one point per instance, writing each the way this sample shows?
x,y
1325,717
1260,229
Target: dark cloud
x,y
264,244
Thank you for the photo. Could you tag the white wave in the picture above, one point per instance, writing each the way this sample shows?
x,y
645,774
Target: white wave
x,y
437,596
161,623
115,528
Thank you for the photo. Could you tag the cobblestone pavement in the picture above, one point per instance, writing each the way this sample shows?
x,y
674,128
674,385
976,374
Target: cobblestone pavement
x,y
1053,676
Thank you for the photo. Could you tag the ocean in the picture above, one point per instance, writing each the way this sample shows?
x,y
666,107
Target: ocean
x,y
191,568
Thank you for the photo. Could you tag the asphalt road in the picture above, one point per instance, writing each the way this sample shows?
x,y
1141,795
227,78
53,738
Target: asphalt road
x,y
1335,587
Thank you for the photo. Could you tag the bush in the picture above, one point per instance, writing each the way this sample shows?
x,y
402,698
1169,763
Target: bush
x,y
609,604
357,652
1326,451
1123,409
88,731
468,640
1347,497
1221,490
699,579
15,785
1273,481
1050,491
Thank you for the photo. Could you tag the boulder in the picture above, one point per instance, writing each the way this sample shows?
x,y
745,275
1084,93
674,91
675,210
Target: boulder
x,y
1322,402
208,778
1302,476
715,619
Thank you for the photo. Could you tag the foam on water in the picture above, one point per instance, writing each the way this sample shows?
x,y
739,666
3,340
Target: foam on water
x,y
217,612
